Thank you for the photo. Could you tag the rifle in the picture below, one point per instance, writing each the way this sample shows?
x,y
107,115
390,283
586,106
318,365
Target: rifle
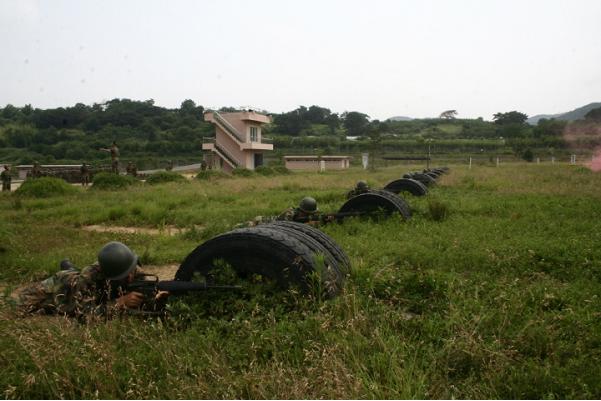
x,y
328,217
150,286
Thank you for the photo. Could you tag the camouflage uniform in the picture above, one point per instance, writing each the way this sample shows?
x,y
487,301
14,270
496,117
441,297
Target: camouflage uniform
x,y
72,293
85,174
114,151
6,178
36,170
297,215
132,169
354,192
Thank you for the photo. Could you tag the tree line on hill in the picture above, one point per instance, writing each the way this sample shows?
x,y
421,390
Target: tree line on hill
x,y
143,129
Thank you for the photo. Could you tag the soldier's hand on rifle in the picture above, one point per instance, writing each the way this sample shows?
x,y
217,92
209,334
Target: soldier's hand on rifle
x,y
131,300
161,295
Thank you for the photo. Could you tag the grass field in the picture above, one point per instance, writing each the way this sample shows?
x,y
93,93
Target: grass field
x,y
500,298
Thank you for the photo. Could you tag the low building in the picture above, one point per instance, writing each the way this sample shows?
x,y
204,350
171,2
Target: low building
x,y
238,141
317,162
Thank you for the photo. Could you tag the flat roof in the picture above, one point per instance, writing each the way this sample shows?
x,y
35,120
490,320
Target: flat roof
x,y
317,157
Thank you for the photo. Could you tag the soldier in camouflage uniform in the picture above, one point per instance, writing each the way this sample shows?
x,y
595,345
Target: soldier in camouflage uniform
x,y
98,289
85,174
114,151
132,169
6,178
359,189
306,212
36,170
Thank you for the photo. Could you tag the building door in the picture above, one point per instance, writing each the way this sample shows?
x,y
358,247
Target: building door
x,y
258,159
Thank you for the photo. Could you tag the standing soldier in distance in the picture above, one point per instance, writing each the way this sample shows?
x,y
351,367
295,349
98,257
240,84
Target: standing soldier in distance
x,y
132,169
114,151
6,178
85,174
36,170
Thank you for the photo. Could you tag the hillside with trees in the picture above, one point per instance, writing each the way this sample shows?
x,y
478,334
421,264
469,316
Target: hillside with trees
x,y
150,134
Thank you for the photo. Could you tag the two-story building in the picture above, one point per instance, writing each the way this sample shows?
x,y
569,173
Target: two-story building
x,y
238,140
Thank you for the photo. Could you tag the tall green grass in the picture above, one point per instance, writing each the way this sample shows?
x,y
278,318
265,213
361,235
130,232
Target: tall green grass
x,y
497,299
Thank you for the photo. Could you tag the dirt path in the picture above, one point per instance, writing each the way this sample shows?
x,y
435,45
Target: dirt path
x,y
167,230
164,272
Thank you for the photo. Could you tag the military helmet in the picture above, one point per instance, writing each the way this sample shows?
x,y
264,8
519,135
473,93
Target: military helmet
x,y
362,185
117,260
308,205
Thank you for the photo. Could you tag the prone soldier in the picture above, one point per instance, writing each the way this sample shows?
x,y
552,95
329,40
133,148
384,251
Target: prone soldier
x,y
97,289
359,189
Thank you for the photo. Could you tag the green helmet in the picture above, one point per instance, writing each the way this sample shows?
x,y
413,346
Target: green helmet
x,y
362,185
116,260
308,205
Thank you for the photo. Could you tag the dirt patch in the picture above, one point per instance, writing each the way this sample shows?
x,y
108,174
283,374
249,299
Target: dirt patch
x,y
164,272
167,230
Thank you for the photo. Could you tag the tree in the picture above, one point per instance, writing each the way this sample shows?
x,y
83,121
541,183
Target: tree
x,y
448,115
512,117
333,122
355,123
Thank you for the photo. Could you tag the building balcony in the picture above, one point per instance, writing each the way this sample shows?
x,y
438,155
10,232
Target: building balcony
x,y
256,146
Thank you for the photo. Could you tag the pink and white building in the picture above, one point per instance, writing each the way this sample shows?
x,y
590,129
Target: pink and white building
x,y
238,140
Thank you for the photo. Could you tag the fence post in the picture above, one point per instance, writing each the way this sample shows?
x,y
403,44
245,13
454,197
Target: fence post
x,y
497,162
538,160
552,159
470,162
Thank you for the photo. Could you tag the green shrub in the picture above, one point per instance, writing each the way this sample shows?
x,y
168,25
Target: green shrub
x,y
45,187
438,210
211,174
112,181
164,176
242,172
264,170
280,170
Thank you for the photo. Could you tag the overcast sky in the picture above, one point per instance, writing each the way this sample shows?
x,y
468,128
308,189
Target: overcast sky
x,y
383,58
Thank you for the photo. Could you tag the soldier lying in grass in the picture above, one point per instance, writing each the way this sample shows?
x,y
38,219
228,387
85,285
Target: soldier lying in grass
x,y
306,212
98,289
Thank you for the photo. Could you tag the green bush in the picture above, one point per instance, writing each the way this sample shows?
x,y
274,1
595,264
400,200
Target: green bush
x,y
242,172
281,170
211,174
112,181
264,170
438,210
45,187
164,176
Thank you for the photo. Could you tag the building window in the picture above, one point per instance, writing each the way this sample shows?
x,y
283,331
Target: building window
x,y
254,134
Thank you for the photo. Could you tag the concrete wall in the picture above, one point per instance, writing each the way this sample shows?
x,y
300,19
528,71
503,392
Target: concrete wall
x,y
313,164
